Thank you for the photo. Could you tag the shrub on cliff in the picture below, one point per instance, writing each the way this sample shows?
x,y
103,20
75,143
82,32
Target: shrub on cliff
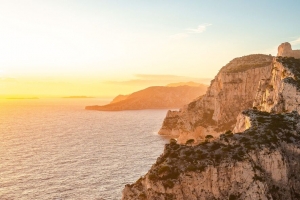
x,y
208,138
168,183
190,142
173,141
163,169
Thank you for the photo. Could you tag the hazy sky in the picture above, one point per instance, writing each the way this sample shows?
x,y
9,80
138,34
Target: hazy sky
x,y
102,47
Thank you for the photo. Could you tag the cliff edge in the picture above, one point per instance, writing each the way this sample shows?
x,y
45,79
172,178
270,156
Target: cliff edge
x,y
258,159
232,91
263,162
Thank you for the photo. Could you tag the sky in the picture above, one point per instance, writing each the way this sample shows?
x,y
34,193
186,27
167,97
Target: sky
x,y
109,47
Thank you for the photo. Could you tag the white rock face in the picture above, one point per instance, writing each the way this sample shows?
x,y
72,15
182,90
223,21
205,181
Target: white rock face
x,y
280,92
285,50
242,123
270,84
232,91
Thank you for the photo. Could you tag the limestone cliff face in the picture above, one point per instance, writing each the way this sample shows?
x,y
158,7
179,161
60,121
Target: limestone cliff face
x,y
260,159
281,91
263,162
232,91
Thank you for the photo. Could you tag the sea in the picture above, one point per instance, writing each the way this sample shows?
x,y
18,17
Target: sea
x,y
55,149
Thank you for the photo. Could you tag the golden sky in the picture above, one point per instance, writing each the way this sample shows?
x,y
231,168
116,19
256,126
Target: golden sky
x,y
61,87
105,48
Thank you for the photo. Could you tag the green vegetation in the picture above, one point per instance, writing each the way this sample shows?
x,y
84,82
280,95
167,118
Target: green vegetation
x,y
293,65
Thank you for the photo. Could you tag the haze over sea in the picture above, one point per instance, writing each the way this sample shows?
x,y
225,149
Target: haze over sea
x,y
54,149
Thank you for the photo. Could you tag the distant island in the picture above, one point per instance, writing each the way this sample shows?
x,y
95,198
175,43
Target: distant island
x,y
21,98
77,97
174,95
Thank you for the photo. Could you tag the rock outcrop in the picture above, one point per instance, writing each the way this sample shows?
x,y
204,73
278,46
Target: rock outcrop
x,y
285,50
156,97
263,162
280,92
232,91
259,159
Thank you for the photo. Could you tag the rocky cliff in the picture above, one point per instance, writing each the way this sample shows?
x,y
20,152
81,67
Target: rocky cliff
x,y
263,162
280,92
156,97
259,159
232,91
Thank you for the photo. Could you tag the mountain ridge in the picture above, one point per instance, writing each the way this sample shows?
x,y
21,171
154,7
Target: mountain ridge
x,y
154,97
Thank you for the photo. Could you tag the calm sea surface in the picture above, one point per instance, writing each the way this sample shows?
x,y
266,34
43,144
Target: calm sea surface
x,y
54,149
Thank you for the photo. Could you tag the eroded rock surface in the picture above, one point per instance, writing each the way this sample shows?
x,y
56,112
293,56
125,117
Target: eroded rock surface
x,y
259,159
281,91
263,162
232,91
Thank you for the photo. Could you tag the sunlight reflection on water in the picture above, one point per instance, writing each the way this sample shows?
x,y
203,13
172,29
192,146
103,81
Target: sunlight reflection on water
x,y
57,150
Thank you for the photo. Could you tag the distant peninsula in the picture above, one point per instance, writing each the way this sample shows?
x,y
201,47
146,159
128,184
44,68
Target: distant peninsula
x,y
174,95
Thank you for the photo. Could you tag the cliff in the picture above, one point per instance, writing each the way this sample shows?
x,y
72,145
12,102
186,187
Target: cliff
x,y
280,92
259,159
263,162
156,97
232,91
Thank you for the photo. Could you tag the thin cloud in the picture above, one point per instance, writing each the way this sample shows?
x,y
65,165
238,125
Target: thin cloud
x,y
200,29
295,42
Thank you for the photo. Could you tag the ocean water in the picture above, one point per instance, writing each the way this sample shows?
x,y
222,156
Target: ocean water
x,y
54,149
